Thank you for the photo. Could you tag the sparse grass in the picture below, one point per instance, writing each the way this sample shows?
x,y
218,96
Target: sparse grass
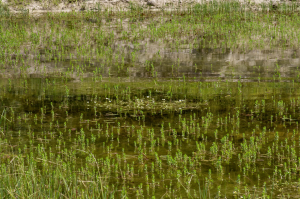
x,y
4,10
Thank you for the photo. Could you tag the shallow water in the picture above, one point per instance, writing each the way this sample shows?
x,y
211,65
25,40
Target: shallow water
x,y
167,118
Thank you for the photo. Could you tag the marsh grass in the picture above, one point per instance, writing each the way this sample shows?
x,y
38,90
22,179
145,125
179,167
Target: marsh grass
x,y
23,179
4,10
140,103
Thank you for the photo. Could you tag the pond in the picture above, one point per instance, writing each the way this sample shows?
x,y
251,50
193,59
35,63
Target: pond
x,y
197,103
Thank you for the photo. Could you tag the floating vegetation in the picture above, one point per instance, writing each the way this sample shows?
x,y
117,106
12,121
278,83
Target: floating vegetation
x,y
195,103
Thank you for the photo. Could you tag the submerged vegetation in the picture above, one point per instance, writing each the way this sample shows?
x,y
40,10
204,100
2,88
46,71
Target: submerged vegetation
x,y
196,103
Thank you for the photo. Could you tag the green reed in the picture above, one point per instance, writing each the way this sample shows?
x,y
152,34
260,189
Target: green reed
x,y
84,117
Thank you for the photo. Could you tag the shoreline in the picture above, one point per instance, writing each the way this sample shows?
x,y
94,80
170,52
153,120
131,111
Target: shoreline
x,y
35,7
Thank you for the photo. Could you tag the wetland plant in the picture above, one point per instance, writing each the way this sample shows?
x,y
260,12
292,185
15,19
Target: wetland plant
x,y
133,104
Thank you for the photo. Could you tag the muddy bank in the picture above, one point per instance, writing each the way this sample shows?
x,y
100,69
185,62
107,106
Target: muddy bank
x,y
117,5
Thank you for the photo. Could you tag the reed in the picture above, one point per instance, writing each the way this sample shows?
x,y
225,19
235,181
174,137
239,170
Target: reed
x,y
137,103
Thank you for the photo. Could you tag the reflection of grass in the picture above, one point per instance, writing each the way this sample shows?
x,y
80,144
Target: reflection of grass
x,y
202,191
3,118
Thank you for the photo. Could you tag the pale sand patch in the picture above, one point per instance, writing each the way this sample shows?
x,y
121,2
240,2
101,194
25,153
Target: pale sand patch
x,y
117,5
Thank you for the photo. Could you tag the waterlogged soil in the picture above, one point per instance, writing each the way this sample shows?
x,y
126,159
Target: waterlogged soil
x,y
160,121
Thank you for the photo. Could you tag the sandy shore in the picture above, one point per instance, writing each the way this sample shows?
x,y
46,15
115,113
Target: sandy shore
x,y
32,6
